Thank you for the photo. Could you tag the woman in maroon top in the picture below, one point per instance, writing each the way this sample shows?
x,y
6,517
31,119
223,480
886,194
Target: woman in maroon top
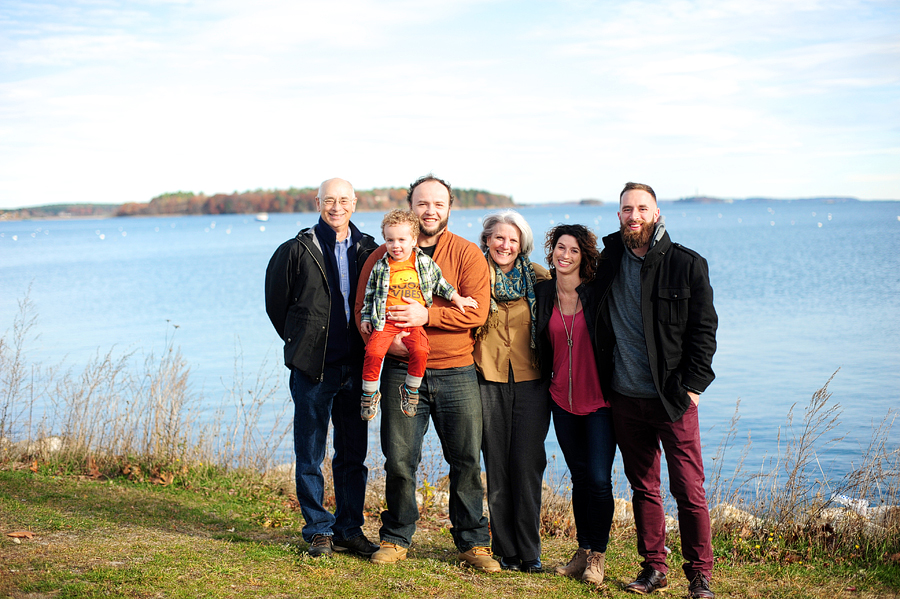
x,y
566,312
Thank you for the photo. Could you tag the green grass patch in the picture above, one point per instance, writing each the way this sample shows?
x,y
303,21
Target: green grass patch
x,y
226,534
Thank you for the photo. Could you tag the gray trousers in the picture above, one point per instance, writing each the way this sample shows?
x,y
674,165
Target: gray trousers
x,y
516,420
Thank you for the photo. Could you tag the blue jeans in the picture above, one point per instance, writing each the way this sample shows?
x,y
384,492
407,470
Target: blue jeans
x,y
589,446
450,397
337,398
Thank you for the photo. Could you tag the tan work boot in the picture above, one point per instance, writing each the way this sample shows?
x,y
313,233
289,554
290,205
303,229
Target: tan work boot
x,y
480,559
575,567
596,567
390,553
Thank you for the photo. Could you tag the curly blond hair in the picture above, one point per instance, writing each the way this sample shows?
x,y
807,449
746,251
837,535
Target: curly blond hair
x,y
401,217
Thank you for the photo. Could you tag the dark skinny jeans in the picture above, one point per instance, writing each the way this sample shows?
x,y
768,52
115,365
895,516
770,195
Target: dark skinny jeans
x,y
589,446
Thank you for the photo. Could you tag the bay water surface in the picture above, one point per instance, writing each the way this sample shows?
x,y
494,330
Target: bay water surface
x,y
802,289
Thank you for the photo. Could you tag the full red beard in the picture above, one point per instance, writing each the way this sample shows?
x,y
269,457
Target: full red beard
x,y
639,238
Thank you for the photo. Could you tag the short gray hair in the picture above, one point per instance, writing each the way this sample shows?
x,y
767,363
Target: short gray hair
x,y
508,217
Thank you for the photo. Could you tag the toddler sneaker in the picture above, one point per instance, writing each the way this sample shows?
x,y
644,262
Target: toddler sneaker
x,y
369,405
409,400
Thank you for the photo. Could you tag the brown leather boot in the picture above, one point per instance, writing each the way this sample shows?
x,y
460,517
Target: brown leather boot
x,y
648,581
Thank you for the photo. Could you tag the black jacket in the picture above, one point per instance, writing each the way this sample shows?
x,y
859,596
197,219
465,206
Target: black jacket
x,y
545,296
679,319
298,300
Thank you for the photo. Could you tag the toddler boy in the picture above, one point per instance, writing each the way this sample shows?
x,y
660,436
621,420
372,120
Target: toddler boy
x,y
403,273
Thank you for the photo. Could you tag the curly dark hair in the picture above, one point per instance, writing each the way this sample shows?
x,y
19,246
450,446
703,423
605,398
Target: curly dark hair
x,y
423,179
587,241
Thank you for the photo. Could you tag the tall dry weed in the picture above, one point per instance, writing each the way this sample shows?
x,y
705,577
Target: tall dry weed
x,y
113,409
557,518
727,488
239,436
16,378
793,493
85,409
802,487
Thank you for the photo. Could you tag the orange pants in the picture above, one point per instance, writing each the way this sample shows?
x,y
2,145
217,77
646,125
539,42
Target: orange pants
x,y
379,342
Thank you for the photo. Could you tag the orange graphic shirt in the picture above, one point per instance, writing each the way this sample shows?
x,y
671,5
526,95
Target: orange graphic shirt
x,y
404,282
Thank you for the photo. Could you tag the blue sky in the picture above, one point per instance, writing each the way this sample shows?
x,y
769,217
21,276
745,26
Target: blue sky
x,y
105,101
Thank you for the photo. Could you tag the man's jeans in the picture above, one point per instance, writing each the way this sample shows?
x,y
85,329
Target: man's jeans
x,y
450,397
336,397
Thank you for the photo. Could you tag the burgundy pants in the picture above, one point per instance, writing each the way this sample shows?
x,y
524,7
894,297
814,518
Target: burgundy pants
x,y
641,425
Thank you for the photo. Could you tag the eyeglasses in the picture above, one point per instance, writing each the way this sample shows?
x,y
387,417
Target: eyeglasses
x,y
343,202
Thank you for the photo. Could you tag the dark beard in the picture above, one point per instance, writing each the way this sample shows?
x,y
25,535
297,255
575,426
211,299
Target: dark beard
x,y
439,228
639,238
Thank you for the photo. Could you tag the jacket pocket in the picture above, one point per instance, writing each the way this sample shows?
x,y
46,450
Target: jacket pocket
x,y
304,336
673,304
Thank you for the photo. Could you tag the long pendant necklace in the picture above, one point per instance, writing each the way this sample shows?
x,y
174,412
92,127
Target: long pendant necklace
x,y
569,335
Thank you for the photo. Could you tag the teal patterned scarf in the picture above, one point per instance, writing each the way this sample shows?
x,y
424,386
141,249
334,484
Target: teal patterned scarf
x,y
510,286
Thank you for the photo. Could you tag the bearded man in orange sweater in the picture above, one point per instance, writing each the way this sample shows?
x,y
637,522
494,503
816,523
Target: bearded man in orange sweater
x,y
449,393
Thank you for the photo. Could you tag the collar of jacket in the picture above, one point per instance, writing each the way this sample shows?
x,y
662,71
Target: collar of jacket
x,y
308,235
585,290
329,235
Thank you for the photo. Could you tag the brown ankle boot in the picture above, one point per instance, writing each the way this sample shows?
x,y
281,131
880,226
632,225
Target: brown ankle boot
x,y
596,567
575,567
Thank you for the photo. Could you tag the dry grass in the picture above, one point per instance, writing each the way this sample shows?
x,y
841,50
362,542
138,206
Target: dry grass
x,y
117,413
793,497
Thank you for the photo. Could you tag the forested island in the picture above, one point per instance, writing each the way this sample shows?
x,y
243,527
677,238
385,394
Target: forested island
x,y
247,202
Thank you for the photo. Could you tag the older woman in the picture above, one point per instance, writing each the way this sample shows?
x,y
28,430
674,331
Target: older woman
x,y
567,309
514,399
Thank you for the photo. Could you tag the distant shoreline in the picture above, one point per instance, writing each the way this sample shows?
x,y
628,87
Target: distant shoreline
x,y
102,211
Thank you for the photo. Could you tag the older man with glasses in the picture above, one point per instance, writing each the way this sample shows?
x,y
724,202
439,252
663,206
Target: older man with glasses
x,y
311,281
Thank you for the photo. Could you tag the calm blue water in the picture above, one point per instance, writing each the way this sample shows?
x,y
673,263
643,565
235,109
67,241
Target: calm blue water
x,y
802,290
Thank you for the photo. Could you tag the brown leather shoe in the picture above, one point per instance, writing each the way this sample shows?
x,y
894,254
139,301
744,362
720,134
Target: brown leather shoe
x,y
648,581
389,553
480,559
575,567
699,588
320,545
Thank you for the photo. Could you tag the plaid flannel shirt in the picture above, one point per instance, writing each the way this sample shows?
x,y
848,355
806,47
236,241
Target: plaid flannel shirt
x,y
431,281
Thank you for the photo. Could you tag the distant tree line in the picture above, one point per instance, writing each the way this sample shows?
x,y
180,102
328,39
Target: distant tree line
x,y
248,202
61,210
290,200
